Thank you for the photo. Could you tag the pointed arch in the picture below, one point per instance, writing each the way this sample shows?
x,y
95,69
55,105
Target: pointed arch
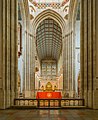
x,y
48,14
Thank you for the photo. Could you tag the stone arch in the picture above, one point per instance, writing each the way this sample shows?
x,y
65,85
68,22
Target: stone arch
x,y
48,14
23,14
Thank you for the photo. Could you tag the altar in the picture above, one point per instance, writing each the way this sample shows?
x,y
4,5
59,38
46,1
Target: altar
x,y
48,92
48,95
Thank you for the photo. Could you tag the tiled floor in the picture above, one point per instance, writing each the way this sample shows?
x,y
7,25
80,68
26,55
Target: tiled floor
x,y
66,114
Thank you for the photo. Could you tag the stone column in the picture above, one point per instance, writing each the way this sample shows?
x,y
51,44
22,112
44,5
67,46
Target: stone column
x,y
89,58
95,53
8,52
82,51
32,65
64,63
84,47
69,71
73,61
67,82
26,68
13,53
24,82
69,79
64,66
29,57
2,50
63,52
27,65
1,54
71,65
90,54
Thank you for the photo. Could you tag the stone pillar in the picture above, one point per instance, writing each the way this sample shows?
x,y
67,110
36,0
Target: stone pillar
x,y
8,52
64,74
29,57
65,82
13,53
90,54
64,60
73,61
32,65
27,66
69,76
82,51
84,48
2,79
95,53
71,64
68,64
25,87
29,82
88,49
24,82
69,69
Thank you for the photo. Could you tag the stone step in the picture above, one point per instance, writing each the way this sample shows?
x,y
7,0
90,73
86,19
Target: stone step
x,y
35,107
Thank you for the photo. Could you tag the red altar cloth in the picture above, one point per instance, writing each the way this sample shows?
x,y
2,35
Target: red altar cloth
x,y
48,95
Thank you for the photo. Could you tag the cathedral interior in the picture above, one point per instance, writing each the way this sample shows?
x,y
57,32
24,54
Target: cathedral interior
x,y
49,57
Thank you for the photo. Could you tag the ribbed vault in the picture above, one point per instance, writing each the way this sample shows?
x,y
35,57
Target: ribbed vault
x,y
49,39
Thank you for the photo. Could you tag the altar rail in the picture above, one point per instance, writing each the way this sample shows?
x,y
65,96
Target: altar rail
x,y
48,103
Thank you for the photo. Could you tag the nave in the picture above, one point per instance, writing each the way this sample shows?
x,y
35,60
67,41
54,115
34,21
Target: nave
x,y
49,53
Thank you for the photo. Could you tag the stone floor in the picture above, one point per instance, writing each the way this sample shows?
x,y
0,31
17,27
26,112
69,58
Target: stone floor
x,y
65,114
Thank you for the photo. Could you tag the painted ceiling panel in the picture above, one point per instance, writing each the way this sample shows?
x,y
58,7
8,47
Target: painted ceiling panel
x,y
49,39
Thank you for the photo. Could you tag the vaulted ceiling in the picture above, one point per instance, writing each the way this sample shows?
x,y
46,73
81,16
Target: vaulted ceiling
x,y
49,39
